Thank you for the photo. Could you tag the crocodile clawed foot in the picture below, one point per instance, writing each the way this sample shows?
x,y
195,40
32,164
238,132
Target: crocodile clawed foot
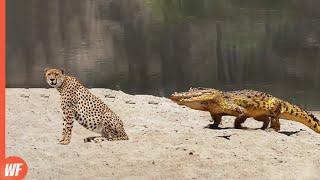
x,y
240,127
213,126
263,128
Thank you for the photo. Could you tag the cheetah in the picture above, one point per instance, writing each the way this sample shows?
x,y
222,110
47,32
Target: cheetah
x,y
78,103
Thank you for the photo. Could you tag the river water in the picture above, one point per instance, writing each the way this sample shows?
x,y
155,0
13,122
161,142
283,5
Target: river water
x,y
159,46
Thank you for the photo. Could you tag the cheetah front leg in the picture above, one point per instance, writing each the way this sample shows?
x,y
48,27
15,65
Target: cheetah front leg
x,y
68,120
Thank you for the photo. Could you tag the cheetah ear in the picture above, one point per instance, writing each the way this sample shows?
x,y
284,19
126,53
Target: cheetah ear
x,y
45,70
62,70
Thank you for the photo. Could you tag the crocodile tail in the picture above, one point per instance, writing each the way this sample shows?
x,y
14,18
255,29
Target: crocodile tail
x,y
296,113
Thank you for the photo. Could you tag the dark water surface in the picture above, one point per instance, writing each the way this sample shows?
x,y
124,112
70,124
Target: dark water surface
x,y
160,46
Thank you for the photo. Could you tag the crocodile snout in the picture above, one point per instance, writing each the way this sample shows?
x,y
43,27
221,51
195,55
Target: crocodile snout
x,y
175,97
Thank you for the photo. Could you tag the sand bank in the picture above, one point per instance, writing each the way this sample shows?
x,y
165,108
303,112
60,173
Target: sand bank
x,y
167,141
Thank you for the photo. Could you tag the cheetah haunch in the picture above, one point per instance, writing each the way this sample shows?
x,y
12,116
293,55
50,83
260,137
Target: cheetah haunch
x,y
78,103
244,104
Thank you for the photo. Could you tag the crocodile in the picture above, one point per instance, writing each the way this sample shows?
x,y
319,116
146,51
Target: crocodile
x,y
244,104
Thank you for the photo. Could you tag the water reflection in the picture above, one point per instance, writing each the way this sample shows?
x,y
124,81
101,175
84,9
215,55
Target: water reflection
x,y
159,46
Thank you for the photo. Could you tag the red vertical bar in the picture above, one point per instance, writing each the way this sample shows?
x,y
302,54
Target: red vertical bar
x,y
2,78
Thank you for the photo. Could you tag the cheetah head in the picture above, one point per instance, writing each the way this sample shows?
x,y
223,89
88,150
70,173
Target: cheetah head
x,y
54,77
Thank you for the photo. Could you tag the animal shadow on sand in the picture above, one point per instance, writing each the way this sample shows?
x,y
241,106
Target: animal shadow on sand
x,y
288,133
216,128
223,128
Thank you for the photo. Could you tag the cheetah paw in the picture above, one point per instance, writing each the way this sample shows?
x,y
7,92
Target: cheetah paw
x,y
64,141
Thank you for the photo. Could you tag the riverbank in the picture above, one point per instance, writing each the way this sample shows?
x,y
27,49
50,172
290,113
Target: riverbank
x,y
167,141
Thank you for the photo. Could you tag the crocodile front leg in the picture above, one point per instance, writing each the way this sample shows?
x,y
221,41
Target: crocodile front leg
x,y
216,121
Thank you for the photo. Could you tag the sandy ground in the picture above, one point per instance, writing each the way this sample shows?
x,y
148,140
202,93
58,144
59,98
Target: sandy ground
x,y
167,141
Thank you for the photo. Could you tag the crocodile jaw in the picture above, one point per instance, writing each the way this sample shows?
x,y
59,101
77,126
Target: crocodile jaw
x,y
190,99
178,97
194,95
